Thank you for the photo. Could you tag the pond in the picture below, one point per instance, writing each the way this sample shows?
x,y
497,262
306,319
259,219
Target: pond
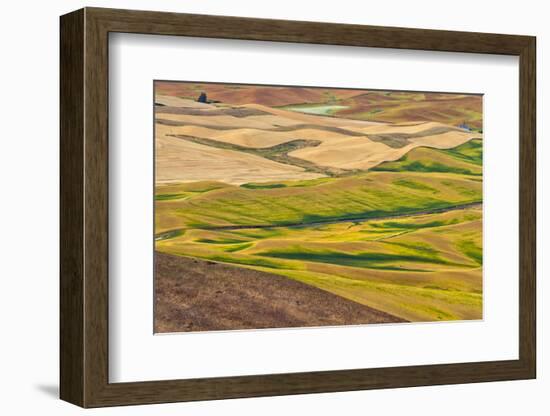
x,y
317,109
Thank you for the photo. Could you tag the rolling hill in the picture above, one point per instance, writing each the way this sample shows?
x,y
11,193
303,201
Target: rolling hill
x,y
291,206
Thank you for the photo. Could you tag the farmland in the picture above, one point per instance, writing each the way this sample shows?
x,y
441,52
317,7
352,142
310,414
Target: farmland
x,y
410,257
294,188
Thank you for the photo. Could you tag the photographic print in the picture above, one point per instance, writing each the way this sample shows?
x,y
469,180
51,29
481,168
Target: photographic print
x,y
294,206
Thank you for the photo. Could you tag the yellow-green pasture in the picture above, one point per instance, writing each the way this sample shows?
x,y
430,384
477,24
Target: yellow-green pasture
x,y
464,159
360,196
420,268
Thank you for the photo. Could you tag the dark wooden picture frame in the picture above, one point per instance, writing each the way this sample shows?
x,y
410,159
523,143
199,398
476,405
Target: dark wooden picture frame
x,y
84,207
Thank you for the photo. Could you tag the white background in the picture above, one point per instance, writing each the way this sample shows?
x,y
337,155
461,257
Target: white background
x,y
29,224
299,350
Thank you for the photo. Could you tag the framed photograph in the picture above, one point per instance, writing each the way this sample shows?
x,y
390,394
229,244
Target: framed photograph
x,y
255,207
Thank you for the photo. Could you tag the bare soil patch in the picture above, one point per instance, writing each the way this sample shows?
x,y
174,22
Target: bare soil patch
x,y
198,295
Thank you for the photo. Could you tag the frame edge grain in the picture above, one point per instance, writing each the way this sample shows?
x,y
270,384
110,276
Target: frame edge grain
x,y
72,297
528,208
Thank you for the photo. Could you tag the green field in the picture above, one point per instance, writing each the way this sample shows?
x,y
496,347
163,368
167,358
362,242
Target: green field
x,y
464,159
397,241
363,196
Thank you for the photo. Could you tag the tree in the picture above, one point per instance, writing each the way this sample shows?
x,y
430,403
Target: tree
x,y
202,98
